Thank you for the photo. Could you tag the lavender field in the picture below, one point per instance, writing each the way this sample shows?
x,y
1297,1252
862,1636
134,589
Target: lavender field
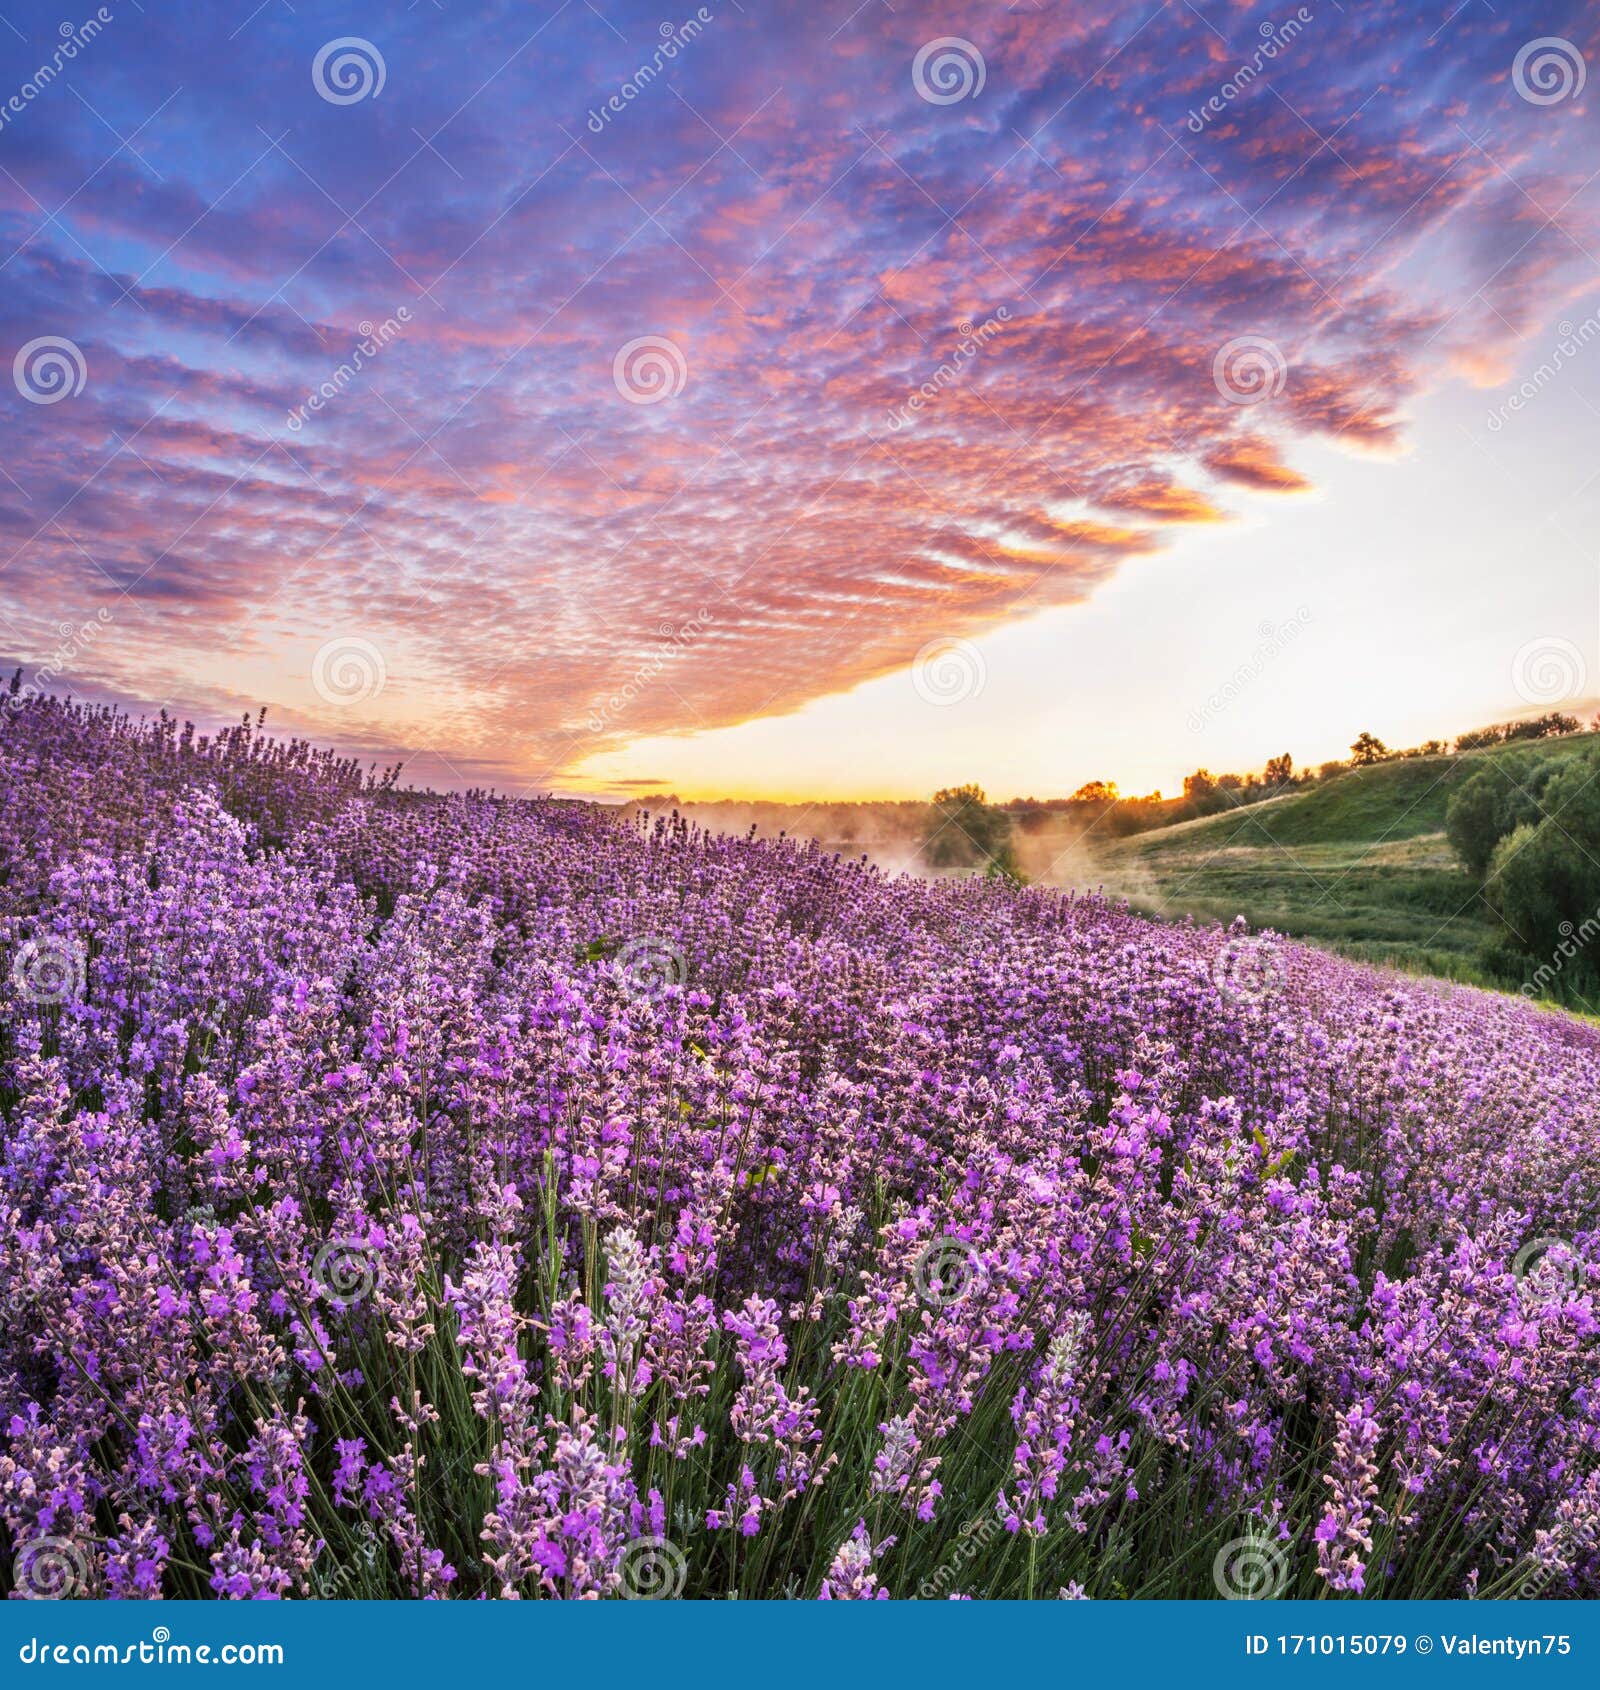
x,y
424,1196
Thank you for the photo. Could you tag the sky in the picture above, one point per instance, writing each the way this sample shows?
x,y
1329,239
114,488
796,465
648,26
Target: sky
x,y
804,400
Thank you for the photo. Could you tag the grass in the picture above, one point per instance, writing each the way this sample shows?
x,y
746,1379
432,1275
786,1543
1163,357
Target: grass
x,y
1359,863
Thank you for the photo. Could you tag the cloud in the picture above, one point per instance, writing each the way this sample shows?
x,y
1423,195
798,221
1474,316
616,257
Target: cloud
x,y
1254,463
928,368
1162,501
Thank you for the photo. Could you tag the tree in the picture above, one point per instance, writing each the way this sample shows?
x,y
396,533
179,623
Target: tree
x,y
1280,770
1473,819
965,830
1096,792
1553,725
1199,784
1545,884
1544,877
1491,805
1368,749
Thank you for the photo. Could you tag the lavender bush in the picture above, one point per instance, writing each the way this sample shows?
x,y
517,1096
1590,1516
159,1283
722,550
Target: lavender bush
x,y
452,1197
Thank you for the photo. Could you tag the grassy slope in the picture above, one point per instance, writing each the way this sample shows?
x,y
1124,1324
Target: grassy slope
x,y
1360,863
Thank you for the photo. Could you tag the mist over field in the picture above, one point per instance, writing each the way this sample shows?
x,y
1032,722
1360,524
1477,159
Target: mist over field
x,y
891,836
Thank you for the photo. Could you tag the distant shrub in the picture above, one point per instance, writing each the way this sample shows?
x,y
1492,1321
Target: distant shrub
x,y
1492,804
1369,749
1552,725
1473,818
1544,875
966,831
1498,879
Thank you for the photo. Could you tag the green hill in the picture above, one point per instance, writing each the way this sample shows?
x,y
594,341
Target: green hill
x,y
1359,863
